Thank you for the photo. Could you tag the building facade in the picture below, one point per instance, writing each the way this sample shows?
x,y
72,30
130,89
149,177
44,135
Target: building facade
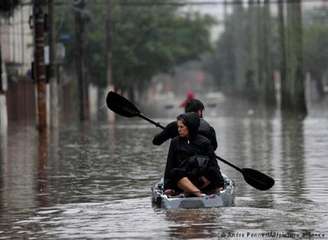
x,y
16,39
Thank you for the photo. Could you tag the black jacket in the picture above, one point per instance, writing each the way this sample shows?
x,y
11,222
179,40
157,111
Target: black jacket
x,y
182,149
171,131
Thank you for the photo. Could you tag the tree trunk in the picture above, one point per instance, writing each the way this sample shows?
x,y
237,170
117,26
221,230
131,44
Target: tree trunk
x,y
251,84
282,47
54,108
239,50
109,43
293,90
79,59
267,84
39,65
260,46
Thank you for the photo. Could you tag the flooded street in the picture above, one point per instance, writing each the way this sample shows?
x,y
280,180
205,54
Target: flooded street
x,y
72,169
93,181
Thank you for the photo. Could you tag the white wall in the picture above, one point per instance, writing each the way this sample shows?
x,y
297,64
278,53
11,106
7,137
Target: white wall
x,y
16,38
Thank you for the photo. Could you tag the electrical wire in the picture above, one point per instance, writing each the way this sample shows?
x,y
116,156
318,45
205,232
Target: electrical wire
x,y
144,3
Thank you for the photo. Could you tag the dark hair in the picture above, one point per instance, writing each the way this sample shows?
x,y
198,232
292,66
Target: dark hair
x,y
192,121
194,105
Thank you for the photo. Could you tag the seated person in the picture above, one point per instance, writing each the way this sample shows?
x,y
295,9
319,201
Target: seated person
x,y
191,164
204,129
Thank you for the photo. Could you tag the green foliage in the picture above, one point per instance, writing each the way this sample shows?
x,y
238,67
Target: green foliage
x,y
222,62
96,44
146,40
254,45
315,49
149,40
231,47
6,6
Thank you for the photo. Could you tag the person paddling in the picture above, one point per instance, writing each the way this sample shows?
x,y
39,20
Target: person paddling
x,y
124,107
191,164
205,129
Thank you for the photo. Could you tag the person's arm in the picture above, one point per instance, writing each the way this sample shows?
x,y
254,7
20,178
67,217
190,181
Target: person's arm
x,y
211,154
214,172
213,138
170,131
169,164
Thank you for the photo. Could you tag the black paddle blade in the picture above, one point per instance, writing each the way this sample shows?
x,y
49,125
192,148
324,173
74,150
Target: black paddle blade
x,y
121,105
257,179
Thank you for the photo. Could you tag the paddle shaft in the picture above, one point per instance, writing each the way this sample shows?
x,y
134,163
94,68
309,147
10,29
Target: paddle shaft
x,y
162,127
124,107
228,163
253,177
151,121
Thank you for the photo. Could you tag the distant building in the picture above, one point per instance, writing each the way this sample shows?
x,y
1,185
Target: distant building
x,y
16,40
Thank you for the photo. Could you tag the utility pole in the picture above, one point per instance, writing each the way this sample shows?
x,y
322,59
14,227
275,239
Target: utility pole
x,y
79,59
52,74
109,46
39,64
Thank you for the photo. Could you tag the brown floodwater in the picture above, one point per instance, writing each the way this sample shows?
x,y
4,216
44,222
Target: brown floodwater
x,y
92,181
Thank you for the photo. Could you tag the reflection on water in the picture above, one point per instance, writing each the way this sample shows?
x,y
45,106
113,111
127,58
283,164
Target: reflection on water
x,y
188,224
93,181
42,175
18,169
292,155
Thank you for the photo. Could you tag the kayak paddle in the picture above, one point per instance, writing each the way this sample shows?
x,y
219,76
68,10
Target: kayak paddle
x,y
124,107
253,177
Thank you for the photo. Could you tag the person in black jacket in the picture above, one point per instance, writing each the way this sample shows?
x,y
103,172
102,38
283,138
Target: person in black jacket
x,y
205,129
191,164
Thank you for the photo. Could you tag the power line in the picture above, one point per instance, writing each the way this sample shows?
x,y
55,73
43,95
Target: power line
x,y
143,3
212,2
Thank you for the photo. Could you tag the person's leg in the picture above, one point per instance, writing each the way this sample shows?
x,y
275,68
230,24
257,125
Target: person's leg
x,y
216,182
186,185
205,182
215,177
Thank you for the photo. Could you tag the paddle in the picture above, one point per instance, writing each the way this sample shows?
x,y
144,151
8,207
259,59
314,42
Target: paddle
x,y
124,107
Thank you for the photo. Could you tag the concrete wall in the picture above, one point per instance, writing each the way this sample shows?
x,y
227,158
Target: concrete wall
x,y
16,39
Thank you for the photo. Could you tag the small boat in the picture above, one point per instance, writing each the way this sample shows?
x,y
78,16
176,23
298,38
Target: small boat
x,y
224,198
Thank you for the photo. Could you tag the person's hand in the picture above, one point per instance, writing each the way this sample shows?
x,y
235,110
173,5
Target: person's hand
x,y
205,181
172,129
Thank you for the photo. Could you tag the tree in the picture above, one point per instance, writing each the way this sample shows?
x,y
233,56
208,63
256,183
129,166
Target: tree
x,y
316,53
80,62
242,62
282,42
146,39
267,91
7,6
293,89
239,41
